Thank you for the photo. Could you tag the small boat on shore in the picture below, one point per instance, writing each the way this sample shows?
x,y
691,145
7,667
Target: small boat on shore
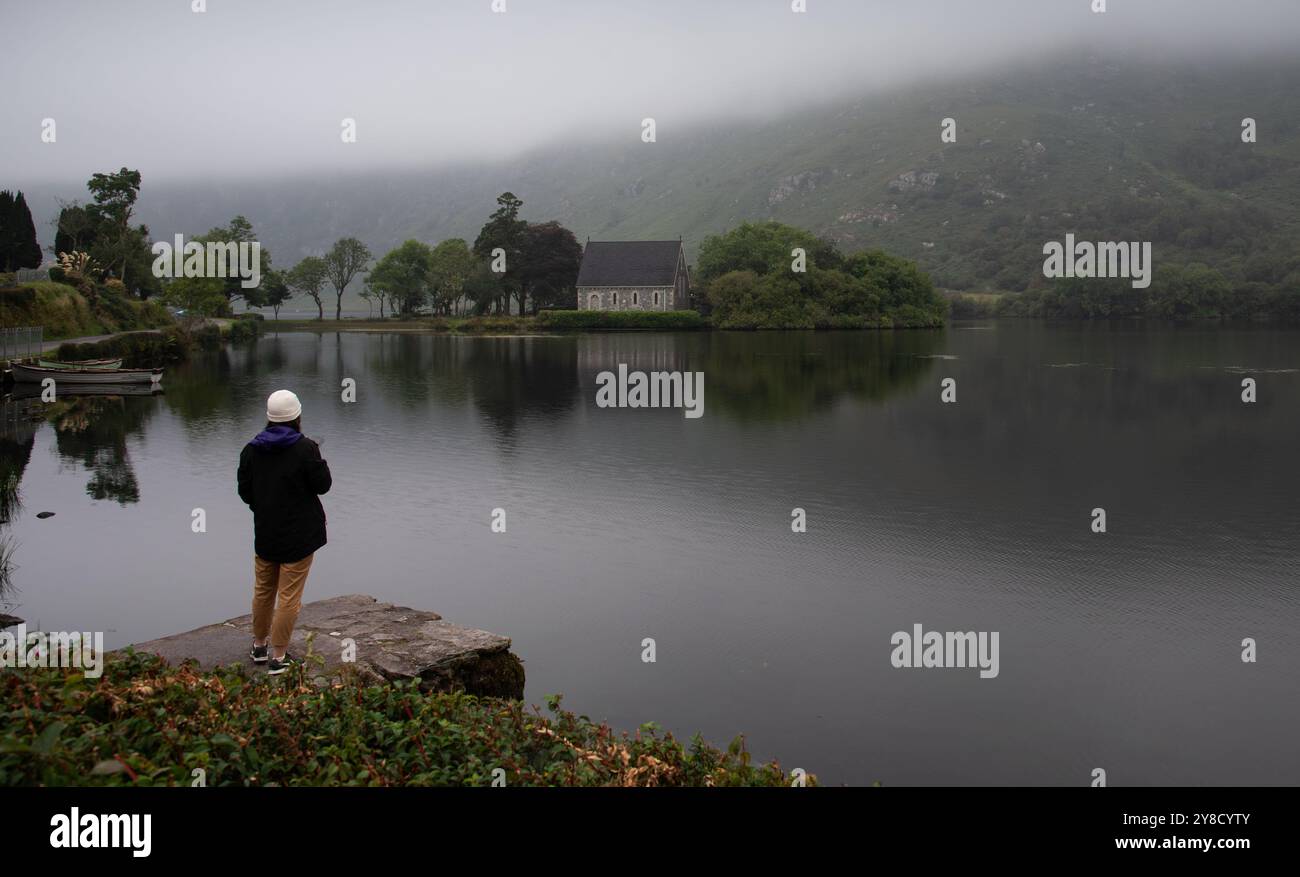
x,y
34,374
81,363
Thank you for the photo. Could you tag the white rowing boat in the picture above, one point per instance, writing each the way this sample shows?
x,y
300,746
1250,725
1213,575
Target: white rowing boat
x,y
81,363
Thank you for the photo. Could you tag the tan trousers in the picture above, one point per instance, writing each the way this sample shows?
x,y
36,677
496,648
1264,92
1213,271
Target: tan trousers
x,y
285,580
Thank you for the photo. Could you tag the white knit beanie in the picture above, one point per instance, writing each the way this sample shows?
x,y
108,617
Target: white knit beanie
x,y
283,406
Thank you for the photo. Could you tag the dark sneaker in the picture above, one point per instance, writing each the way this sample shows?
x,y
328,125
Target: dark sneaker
x,y
258,654
278,667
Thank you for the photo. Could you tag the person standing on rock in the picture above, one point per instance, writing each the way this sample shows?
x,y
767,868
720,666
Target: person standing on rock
x,y
281,477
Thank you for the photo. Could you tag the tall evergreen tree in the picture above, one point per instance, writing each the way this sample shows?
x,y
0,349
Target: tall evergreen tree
x,y
18,245
506,232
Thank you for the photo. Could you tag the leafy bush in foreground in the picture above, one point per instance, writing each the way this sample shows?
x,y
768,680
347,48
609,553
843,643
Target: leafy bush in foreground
x,y
146,723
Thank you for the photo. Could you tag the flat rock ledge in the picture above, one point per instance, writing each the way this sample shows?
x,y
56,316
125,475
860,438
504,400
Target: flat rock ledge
x,y
393,643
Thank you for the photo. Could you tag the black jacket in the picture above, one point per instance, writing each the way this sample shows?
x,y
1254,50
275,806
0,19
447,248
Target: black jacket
x,y
281,475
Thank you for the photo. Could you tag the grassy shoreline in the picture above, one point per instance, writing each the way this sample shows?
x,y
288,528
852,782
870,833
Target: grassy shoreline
x,y
549,323
144,722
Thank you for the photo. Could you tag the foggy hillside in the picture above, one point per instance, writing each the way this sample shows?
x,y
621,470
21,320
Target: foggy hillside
x,y
1149,153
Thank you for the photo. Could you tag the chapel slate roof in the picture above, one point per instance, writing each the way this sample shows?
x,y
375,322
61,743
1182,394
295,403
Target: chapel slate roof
x,y
629,263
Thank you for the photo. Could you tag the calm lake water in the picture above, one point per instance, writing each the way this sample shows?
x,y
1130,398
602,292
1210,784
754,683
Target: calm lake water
x,y
1119,650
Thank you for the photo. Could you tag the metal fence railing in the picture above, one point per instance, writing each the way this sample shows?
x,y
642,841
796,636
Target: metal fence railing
x,y
21,342
27,275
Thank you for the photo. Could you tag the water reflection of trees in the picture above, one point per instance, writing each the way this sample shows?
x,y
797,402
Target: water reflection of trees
x,y
93,431
229,380
748,376
19,420
514,379
15,453
202,386
789,375
772,376
507,380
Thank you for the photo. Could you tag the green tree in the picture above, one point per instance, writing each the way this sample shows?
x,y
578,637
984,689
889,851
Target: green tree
x,y
484,288
403,275
197,296
308,277
137,269
344,261
239,231
763,248
74,229
768,292
901,281
18,245
450,266
114,196
745,300
373,293
271,293
548,270
506,232
1182,292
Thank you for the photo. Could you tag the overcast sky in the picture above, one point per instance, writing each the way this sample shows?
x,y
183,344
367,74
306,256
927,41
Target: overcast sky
x,y
251,87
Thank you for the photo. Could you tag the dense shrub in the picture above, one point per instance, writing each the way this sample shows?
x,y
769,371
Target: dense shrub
x,y
117,310
750,281
17,297
481,325
660,320
153,349
145,723
137,349
763,248
243,330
